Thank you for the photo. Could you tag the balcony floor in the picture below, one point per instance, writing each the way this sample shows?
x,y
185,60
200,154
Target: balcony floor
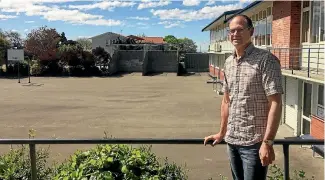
x,y
304,75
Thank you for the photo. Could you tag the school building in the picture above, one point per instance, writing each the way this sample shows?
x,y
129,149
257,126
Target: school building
x,y
294,32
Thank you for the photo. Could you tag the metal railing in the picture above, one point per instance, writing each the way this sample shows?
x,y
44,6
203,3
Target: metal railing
x,y
306,59
32,146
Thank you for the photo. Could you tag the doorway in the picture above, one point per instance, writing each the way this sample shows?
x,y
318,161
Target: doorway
x,y
306,108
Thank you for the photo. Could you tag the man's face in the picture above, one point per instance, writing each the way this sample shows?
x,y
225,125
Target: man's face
x,y
239,33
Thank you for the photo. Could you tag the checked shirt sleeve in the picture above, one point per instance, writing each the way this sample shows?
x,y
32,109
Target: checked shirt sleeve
x,y
271,75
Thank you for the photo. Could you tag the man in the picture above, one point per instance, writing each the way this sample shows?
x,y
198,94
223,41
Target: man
x,y
251,105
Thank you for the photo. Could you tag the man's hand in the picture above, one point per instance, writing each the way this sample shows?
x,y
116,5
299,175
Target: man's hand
x,y
216,138
267,155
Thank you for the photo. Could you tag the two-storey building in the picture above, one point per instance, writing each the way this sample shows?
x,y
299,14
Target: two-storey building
x,y
294,32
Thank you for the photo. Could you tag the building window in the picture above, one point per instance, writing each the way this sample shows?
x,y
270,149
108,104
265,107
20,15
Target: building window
x,y
317,31
320,103
312,22
305,26
263,27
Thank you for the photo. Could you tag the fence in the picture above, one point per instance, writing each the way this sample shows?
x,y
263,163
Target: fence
x,y
309,60
32,146
197,62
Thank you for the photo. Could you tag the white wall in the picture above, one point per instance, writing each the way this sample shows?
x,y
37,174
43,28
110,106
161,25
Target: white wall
x,y
105,41
316,56
291,103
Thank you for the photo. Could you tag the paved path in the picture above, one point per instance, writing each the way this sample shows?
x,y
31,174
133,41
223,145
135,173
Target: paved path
x,y
131,106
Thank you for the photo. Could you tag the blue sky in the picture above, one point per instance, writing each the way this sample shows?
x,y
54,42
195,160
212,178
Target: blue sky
x,y
87,18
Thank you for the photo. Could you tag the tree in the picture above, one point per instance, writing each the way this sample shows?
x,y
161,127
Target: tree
x,y
4,45
70,54
183,45
43,43
63,39
102,57
187,45
15,39
85,43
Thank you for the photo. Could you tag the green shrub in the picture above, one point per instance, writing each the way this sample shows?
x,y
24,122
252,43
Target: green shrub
x,y
16,164
108,162
276,173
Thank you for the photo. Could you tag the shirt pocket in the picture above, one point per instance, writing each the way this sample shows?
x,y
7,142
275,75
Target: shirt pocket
x,y
250,80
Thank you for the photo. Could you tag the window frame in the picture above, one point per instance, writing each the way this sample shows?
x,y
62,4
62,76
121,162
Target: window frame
x,y
310,24
320,106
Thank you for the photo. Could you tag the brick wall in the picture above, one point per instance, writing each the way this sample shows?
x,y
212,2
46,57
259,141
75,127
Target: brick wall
x,y
317,127
286,31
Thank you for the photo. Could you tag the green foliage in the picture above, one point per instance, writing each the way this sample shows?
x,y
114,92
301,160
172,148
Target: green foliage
x,y
276,173
117,162
16,163
182,44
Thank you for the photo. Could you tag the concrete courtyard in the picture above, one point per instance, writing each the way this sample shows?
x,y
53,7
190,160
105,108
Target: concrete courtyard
x,y
130,106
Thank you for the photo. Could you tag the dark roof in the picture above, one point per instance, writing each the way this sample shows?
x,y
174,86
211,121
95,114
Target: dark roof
x,y
223,14
243,10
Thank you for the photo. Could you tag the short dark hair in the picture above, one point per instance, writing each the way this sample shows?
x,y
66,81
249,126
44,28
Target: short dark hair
x,y
249,22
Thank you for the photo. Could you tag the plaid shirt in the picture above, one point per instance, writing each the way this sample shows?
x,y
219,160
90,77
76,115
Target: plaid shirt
x,y
248,82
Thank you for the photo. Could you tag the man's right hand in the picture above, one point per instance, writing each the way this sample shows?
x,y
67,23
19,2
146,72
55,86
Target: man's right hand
x,y
216,138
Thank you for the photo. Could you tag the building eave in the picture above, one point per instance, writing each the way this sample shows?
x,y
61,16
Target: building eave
x,y
253,4
218,18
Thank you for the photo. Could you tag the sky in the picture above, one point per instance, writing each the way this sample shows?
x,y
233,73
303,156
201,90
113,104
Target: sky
x,y
88,18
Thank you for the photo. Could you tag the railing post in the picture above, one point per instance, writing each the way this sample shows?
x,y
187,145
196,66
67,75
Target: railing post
x,y
308,62
318,59
286,161
32,155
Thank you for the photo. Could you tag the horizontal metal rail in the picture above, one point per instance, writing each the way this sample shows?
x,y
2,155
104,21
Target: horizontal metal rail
x,y
32,145
146,141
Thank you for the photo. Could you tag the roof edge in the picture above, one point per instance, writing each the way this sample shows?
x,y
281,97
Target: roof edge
x,y
219,17
244,9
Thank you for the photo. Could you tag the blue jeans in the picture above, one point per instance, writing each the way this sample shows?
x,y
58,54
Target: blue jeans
x,y
245,162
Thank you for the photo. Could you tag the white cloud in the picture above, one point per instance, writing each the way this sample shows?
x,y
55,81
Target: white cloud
x,y
5,17
169,24
151,4
77,17
142,24
191,15
191,2
25,30
139,18
30,8
104,5
28,22
211,2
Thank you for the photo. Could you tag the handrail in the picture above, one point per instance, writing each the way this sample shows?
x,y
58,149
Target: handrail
x,y
146,141
32,145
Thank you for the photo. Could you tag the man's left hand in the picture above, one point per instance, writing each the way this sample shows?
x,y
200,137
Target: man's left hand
x,y
267,155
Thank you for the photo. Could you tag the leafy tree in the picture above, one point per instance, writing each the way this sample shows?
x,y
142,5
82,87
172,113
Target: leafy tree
x,y
14,39
102,57
63,39
187,45
85,43
4,45
43,43
171,40
183,45
70,54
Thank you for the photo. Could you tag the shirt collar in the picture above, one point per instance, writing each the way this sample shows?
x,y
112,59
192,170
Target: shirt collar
x,y
249,49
